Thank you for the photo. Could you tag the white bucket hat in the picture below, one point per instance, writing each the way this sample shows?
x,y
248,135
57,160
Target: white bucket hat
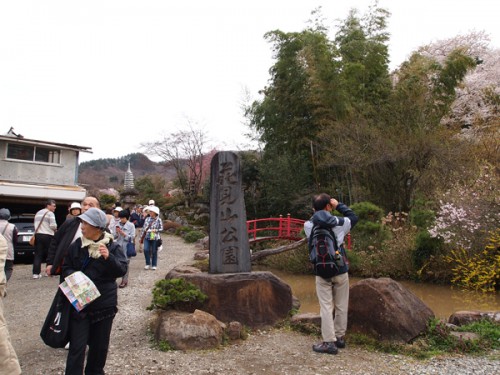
x,y
155,209
75,205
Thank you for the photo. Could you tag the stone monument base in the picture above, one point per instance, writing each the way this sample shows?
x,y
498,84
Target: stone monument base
x,y
255,299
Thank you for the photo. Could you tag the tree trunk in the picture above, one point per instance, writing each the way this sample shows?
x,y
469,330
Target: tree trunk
x,y
266,252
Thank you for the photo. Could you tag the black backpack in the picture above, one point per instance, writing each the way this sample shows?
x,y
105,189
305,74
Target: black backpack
x,y
327,257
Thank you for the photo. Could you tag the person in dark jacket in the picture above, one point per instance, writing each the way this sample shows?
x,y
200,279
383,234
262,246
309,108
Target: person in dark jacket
x,y
68,232
137,218
333,293
103,261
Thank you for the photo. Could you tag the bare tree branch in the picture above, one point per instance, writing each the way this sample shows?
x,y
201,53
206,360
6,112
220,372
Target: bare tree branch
x,y
266,252
183,150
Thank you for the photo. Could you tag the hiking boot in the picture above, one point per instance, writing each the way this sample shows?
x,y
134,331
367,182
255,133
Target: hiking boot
x,y
326,347
340,342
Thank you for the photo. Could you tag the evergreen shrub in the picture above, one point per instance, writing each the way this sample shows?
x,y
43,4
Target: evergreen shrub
x,y
369,233
368,211
176,294
193,236
422,218
425,247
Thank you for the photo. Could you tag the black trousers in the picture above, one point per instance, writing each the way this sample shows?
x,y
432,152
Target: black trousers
x,y
96,336
42,244
9,268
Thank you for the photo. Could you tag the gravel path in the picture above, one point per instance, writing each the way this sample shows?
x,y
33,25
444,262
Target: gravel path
x,y
264,352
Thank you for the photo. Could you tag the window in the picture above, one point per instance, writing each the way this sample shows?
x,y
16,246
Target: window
x,y
33,153
21,152
47,155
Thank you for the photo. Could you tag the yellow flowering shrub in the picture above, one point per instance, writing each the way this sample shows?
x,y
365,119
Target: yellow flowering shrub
x,y
480,271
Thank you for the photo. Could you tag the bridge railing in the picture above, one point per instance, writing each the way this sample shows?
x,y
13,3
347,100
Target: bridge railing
x,y
279,228
275,227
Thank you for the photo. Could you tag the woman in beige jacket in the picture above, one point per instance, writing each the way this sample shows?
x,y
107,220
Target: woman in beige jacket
x,y
8,358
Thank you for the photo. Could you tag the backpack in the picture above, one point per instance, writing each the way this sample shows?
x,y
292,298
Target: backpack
x,y
327,257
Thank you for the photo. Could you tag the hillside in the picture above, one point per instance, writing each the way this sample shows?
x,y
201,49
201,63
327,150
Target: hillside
x,y
110,173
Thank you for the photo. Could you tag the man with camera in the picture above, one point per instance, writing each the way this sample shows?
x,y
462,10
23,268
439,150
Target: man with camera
x,y
332,292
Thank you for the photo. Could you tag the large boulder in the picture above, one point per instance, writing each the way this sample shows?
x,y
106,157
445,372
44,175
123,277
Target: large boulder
x,y
386,310
255,299
460,318
187,331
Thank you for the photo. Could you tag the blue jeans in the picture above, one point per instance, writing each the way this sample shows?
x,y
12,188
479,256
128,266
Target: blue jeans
x,y
151,252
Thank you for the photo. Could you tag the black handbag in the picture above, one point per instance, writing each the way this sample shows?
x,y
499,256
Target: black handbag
x,y
131,249
55,329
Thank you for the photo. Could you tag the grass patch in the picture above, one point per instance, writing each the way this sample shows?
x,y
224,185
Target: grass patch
x,y
437,340
164,346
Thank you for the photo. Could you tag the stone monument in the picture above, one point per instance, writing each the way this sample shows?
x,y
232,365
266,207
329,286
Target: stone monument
x,y
235,294
229,247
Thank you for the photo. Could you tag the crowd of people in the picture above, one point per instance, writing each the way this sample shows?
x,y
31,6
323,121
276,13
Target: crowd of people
x,y
93,242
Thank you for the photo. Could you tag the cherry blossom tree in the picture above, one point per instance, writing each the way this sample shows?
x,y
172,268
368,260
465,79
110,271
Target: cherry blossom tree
x,y
477,102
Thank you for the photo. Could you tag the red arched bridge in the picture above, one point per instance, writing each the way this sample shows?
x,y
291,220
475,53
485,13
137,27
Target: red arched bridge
x,y
276,228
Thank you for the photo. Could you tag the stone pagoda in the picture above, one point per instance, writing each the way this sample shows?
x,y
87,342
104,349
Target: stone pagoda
x,y
129,193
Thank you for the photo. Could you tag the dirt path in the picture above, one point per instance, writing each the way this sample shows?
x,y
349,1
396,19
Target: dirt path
x,y
264,352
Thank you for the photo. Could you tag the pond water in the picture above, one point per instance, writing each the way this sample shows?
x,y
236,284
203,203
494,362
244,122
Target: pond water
x,y
443,300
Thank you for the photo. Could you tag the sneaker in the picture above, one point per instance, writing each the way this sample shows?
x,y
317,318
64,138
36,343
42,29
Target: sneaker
x,y
326,347
153,268
340,343
146,267
37,276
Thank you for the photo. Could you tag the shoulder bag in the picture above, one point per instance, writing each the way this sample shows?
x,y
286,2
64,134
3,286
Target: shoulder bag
x,y
144,234
32,239
55,329
131,249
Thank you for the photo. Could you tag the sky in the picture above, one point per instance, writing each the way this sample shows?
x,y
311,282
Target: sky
x,y
114,74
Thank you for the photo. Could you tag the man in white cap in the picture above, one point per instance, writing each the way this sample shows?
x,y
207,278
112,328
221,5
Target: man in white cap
x,y
151,202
